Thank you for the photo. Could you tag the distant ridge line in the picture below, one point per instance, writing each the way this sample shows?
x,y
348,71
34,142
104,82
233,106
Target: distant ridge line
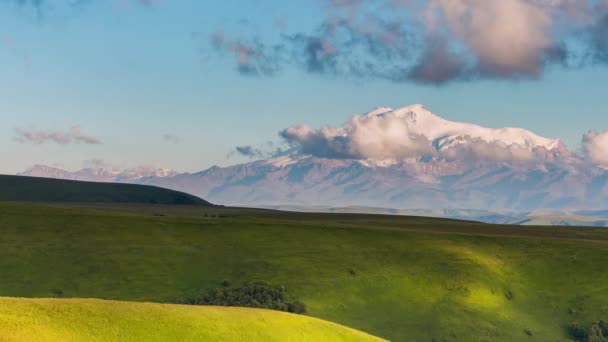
x,y
38,189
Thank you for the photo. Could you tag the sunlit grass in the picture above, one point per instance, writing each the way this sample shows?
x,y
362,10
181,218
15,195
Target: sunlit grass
x,y
94,320
399,278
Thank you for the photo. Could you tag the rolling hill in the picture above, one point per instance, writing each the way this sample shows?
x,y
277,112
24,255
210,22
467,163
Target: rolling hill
x,y
33,189
399,278
96,320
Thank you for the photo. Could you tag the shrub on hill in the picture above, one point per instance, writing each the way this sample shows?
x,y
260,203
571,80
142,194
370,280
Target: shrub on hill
x,y
252,295
598,332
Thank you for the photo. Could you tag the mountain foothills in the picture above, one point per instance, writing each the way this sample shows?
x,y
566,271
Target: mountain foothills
x,y
404,158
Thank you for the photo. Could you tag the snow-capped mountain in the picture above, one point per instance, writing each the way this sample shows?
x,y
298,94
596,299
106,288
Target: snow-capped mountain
x,y
407,158
385,135
444,133
99,174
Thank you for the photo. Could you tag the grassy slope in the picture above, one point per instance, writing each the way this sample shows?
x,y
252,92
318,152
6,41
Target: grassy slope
x,y
405,279
31,189
95,320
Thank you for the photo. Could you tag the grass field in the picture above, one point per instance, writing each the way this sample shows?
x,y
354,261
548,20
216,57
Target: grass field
x,y
95,320
400,278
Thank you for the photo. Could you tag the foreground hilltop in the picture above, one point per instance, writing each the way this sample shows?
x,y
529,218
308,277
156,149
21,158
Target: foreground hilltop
x,y
32,189
96,320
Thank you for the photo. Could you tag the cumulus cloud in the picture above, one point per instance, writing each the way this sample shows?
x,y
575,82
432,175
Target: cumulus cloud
x,y
396,136
438,63
361,137
506,38
437,42
595,147
38,137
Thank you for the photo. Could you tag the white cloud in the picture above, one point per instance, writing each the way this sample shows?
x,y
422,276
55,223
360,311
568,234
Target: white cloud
x,y
595,146
507,37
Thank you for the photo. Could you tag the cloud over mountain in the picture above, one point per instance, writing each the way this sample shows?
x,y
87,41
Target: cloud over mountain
x,y
415,132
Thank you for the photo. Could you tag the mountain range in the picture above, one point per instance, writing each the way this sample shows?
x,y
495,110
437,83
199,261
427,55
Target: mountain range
x,y
408,158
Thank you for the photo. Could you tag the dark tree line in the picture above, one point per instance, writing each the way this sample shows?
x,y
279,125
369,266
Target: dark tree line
x,y
252,295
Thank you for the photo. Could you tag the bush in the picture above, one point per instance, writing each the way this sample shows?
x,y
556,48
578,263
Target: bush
x,y
577,331
296,307
598,332
595,334
252,295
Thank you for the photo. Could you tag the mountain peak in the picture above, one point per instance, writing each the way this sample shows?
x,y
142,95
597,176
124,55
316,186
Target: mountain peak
x,y
39,170
417,107
444,133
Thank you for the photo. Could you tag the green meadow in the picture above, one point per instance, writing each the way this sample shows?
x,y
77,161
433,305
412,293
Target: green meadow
x,y
399,278
95,320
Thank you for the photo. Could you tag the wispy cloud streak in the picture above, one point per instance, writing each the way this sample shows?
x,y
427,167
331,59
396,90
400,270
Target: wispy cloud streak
x,y
38,137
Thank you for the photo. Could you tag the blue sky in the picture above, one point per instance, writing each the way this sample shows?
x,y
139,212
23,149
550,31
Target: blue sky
x,y
129,75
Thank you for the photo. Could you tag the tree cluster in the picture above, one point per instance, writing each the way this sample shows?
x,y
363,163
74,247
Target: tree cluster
x,y
252,295
597,332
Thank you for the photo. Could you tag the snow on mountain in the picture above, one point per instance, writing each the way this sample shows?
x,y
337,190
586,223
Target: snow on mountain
x,y
285,159
45,172
99,174
414,132
444,133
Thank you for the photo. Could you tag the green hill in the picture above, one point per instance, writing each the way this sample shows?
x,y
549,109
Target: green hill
x,y
95,320
32,189
399,278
